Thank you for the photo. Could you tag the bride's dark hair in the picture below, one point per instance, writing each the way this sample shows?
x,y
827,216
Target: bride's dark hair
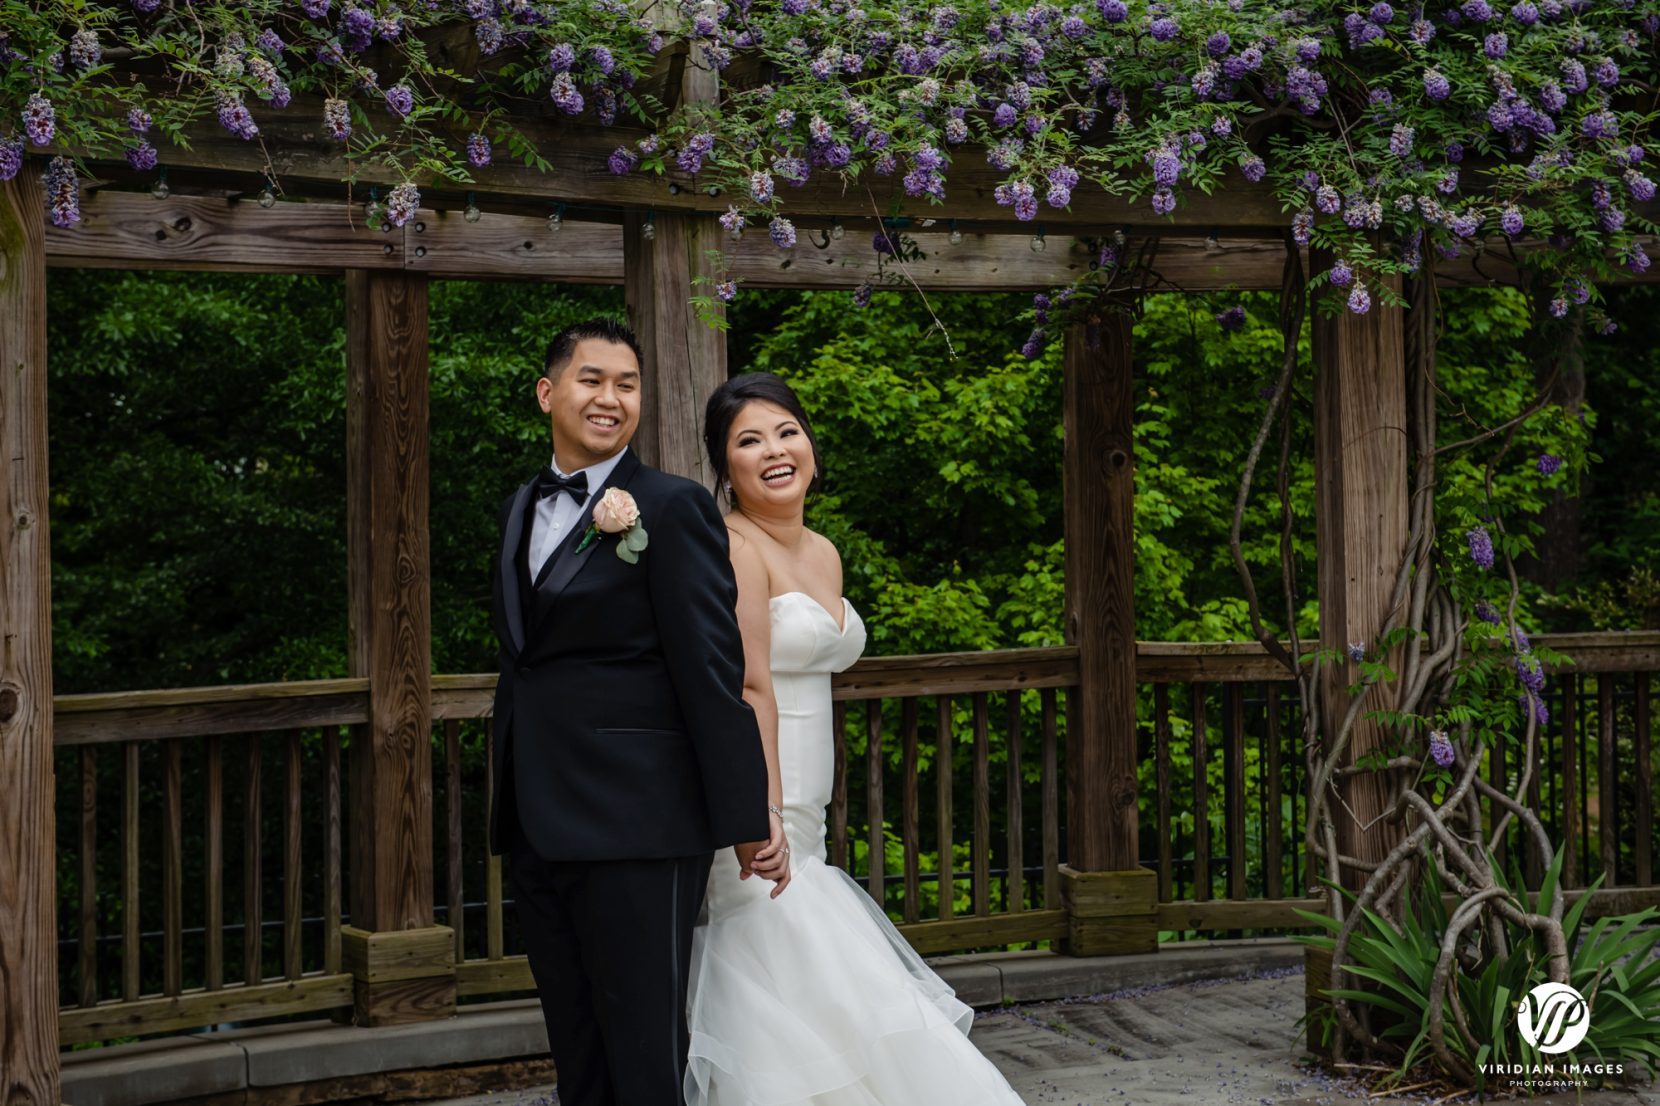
x,y
732,397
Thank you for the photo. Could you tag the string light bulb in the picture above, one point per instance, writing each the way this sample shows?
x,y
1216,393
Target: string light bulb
x,y
556,221
472,213
267,197
649,230
160,190
837,231
371,213
1038,243
956,236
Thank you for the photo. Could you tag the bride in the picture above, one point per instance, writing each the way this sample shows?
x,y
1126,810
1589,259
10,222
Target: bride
x,y
810,996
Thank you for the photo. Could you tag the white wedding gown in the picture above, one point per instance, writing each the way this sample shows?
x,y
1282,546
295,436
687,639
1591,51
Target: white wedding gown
x,y
814,997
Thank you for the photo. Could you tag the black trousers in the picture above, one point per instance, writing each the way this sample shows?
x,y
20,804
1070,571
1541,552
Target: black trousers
x,y
610,945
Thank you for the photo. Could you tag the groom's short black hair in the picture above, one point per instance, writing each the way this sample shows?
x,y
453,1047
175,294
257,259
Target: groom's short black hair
x,y
564,343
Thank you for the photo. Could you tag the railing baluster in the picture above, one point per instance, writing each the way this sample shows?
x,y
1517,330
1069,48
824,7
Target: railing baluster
x,y
88,945
213,863
944,754
1570,780
253,908
1161,768
455,914
172,868
1645,784
838,790
1234,798
982,807
331,850
1201,800
1051,806
1014,894
911,816
1496,773
1273,845
1608,782
876,878
492,863
129,873
292,949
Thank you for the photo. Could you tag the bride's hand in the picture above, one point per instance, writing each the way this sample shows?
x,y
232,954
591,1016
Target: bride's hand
x,y
773,861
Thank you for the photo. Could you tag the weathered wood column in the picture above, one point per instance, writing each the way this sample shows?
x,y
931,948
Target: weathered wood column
x,y
28,834
403,964
1360,476
1109,897
685,358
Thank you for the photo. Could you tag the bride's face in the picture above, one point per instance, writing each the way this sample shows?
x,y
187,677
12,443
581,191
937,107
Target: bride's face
x,y
769,457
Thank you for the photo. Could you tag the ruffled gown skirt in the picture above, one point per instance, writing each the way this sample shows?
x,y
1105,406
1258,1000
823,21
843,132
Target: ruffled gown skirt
x,y
814,997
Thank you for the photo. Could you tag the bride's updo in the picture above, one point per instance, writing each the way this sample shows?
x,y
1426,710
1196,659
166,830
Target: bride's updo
x,y
731,398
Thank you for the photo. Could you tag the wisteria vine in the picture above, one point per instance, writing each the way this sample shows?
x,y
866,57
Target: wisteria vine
x,y
1384,133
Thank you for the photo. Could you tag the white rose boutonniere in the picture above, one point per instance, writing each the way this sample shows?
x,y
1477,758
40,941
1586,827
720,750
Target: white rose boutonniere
x,y
617,513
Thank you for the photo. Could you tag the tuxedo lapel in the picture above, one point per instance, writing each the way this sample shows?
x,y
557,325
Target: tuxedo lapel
x,y
568,562
512,598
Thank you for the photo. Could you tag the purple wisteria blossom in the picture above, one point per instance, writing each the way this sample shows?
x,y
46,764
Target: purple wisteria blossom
x,y
337,119
563,92
862,294
561,57
1481,547
733,220
478,150
142,157
1487,612
63,193
84,51
622,161
40,119
11,157
1357,651
400,100
1231,319
782,232
761,186
1440,748
726,291
402,203
1034,344
1548,464
235,117
1511,221
1360,300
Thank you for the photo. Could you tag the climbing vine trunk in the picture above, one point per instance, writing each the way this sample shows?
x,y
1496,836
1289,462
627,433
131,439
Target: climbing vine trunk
x,y
28,897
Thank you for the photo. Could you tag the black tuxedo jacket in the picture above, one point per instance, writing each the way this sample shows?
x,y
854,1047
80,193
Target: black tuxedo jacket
x,y
620,728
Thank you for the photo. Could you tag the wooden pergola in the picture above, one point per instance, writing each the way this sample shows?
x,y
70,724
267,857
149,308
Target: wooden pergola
x,y
399,960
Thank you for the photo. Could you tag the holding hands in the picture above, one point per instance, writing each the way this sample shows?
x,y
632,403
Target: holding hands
x,y
768,859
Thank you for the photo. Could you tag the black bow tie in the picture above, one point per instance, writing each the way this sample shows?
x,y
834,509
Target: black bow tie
x,y
551,483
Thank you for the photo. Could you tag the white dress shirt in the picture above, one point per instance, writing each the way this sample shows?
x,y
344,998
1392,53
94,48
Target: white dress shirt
x,y
556,514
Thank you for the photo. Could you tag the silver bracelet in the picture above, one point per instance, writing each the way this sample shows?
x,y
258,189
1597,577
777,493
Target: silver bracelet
x,y
774,810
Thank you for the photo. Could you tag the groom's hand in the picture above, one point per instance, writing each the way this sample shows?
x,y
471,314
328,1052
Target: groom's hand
x,y
746,856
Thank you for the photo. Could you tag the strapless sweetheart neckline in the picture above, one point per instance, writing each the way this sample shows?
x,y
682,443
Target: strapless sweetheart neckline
x,y
841,624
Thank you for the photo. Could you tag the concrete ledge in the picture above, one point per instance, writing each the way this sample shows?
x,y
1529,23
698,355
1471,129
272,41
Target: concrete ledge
x,y
254,1062
152,1071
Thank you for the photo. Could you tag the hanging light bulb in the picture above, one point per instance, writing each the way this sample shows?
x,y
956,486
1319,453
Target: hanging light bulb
x,y
160,190
472,213
1038,244
267,197
372,213
837,231
649,230
1213,243
956,237
556,221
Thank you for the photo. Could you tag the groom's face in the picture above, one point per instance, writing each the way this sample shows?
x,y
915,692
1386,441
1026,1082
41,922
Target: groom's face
x,y
594,402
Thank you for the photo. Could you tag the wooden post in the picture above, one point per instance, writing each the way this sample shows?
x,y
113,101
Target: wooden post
x,y
404,965
28,836
685,359
1111,904
1360,473
1360,476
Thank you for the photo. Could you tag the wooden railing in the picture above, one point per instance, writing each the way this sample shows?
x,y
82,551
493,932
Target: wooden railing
x,y
215,896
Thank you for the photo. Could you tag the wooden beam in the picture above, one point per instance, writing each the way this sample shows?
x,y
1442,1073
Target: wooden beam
x,y
128,230
1360,473
685,357
389,598
295,149
28,835
1099,494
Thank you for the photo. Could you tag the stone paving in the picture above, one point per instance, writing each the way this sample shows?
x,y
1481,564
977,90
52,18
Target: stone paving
x,y
1214,1043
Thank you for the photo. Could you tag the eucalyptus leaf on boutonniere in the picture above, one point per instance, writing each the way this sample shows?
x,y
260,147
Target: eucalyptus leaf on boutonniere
x,y
617,513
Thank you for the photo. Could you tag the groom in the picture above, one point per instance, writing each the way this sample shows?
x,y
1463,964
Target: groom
x,y
625,754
